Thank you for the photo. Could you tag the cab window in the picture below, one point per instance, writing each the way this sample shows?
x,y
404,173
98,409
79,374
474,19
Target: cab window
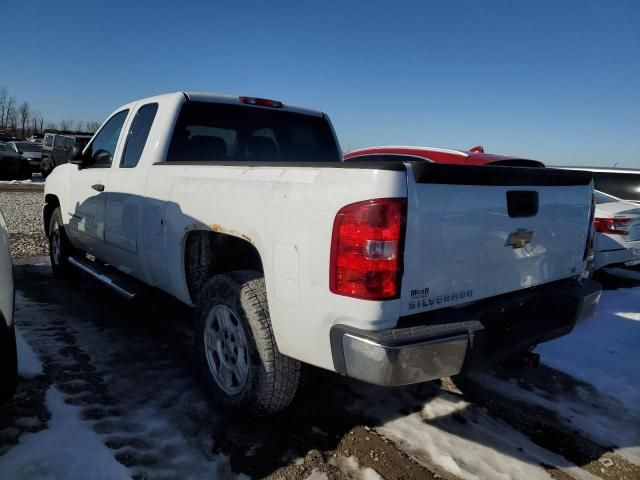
x,y
138,133
104,144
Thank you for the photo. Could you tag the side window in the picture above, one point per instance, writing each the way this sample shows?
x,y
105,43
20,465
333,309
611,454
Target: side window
x,y
58,142
104,144
48,140
138,134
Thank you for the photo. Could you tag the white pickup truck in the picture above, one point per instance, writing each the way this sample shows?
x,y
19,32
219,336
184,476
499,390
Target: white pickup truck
x,y
388,272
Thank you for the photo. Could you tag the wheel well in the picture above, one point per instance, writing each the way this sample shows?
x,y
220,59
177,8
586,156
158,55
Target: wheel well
x,y
51,202
209,253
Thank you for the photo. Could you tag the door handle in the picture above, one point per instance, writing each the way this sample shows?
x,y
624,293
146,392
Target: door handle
x,y
98,187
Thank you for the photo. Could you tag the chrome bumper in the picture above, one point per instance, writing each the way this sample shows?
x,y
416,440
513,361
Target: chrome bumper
x,y
458,340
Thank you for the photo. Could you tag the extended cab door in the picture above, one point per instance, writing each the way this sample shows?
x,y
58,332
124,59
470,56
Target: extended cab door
x,y
87,196
126,185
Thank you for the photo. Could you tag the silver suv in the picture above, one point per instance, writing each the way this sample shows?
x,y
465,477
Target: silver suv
x,y
57,147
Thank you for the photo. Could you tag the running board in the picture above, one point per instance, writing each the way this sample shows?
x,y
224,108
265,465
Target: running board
x,y
106,275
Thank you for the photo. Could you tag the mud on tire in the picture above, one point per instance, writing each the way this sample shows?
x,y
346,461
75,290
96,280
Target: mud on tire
x,y
271,378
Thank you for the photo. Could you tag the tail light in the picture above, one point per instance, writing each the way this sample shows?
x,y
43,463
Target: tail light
x,y
588,248
366,249
616,226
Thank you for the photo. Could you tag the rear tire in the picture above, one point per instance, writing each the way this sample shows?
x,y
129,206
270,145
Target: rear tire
x,y
60,248
8,362
236,349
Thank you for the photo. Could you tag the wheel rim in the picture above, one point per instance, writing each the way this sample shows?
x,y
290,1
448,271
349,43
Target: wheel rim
x,y
225,347
55,243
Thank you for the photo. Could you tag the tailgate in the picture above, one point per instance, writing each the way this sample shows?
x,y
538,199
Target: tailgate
x,y
474,232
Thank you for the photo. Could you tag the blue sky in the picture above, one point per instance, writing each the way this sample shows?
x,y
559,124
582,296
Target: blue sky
x,y
557,81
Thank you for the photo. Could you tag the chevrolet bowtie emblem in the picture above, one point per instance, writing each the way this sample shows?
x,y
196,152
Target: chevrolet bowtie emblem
x,y
519,238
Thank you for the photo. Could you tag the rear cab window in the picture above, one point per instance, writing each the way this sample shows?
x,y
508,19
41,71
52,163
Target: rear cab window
x,y
207,131
138,134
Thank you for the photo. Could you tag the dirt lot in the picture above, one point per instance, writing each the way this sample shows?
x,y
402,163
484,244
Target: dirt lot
x,y
125,369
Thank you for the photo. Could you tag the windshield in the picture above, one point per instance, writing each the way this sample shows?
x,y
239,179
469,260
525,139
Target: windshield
x,y
28,147
219,132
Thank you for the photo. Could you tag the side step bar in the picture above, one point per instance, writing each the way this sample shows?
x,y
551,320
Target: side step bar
x,y
102,274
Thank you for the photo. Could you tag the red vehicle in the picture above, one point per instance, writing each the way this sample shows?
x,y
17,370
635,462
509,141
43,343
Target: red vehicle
x,y
473,156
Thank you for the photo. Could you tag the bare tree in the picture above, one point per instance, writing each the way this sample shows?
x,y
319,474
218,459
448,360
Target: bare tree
x,y
52,126
41,121
12,115
79,125
93,126
25,112
11,120
34,121
4,98
66,125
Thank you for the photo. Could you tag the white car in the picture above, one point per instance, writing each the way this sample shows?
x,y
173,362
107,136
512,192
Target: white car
x,y
8,360
617,224
389,272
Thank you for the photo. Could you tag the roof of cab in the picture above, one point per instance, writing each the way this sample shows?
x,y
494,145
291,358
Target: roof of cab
x,y
220,98
235,100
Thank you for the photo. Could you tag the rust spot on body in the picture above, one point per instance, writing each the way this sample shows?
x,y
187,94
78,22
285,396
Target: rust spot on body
x,y
220,229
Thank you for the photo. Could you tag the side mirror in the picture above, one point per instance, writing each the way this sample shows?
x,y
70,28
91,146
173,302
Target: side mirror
x,y
76,156
101,157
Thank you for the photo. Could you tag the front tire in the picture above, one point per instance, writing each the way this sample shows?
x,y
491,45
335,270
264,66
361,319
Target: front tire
x,y
60,248
236,348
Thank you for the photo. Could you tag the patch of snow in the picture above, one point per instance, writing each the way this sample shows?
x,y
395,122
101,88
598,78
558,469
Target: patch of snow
x,y
68,449
316,475
604,350
462,439
37,180
353,468
178,439
29,365
594,416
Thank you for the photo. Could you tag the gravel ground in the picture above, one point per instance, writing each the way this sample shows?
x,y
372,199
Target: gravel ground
x,y
22,210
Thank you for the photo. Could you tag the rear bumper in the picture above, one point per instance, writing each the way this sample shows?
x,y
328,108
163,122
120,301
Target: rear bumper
x,y
455,340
